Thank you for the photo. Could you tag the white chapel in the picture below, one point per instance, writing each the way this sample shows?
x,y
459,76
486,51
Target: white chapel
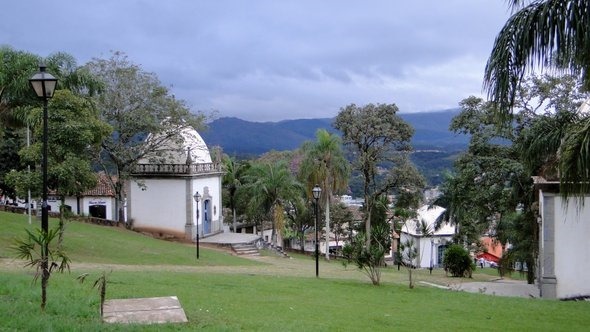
x,y
163,187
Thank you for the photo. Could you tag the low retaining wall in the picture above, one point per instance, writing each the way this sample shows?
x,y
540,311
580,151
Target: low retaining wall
x,y
92,220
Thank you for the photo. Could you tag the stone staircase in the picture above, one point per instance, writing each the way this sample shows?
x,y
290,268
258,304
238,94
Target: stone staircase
x,y
245,249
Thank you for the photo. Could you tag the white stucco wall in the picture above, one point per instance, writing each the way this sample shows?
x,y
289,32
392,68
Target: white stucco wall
x,y
572,249
424,248
159,204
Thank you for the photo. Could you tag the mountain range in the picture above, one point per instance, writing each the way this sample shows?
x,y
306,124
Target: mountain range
x,y
435,147
246,138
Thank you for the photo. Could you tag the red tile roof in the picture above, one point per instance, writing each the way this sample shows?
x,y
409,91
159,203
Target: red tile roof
x,y
103,187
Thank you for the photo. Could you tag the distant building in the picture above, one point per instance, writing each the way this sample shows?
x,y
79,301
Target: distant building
x,y
98,202
491,254
430,247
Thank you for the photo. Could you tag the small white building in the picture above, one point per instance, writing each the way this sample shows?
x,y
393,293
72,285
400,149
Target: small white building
x,y
430,247
161,194
564,254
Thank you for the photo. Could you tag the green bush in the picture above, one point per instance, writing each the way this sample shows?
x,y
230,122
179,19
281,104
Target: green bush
x,y
458,262
372,259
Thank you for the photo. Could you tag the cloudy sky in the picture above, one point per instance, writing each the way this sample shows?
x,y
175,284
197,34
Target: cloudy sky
x,y
270,60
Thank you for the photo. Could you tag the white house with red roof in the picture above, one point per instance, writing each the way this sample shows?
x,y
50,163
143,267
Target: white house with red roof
x,y
98,202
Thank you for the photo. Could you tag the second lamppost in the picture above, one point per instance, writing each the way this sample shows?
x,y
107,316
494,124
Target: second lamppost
x,y
316,191
197,198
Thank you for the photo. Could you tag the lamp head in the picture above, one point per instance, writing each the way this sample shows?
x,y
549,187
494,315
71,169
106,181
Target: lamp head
x,y
316,191
43,83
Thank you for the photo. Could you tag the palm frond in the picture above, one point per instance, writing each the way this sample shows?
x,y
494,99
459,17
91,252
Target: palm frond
x,y
550,34
574,165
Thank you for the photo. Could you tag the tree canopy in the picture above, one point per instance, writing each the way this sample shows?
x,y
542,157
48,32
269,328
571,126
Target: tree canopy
x,y
134,103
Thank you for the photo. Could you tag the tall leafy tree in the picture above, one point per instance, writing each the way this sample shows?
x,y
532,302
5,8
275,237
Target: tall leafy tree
x,y
76,133
379,140
134,103
324,164
17,98
489,163
550,34
491,191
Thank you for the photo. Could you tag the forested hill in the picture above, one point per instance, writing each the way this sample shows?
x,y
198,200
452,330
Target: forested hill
x,y
245,138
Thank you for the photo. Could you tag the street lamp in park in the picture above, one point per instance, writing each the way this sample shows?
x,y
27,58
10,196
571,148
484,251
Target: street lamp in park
x,y
316,191
44,85
197,198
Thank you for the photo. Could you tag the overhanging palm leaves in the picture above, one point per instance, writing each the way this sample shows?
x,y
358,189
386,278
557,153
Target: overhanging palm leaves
x,y
550,33
575,159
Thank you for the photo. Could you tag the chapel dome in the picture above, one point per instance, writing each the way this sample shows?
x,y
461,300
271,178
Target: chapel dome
x,y
186,147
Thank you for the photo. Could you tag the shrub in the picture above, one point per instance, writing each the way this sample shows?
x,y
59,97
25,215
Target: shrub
x,y
458,262
372,259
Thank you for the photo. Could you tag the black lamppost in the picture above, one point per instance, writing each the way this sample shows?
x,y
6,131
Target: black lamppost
x,y
316,191
197,198
44,85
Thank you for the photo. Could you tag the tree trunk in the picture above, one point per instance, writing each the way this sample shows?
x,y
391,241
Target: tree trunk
x,y
328,227
61,221
234,221
302,242
368,207
44,280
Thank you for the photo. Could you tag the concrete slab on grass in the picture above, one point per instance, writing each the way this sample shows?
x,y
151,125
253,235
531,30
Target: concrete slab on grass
x,y
153,310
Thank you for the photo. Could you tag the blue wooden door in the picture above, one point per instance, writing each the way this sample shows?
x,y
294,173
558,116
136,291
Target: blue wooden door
x,y
206,217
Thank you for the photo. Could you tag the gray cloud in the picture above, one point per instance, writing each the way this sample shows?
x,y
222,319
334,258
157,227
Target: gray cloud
x,y
273,60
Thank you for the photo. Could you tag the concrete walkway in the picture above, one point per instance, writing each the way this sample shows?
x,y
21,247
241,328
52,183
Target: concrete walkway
x,y
499,287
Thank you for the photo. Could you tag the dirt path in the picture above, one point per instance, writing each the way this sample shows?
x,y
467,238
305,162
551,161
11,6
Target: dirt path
x,y
279,266
272,266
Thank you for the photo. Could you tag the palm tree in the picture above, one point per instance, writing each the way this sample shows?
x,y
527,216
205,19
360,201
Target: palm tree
x,y
271,188
324,164
232,180
552,34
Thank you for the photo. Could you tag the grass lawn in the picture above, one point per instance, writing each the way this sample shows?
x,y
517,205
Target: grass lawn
x,y
227,293
91,243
